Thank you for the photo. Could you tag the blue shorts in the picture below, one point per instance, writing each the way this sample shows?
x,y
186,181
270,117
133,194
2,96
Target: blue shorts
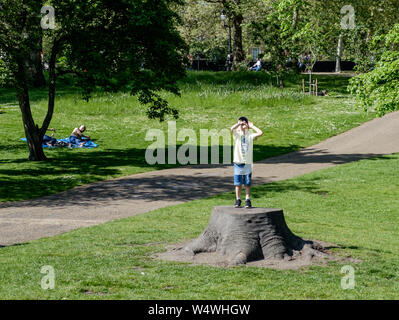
x,y
49,139
239,177
243,179
74,140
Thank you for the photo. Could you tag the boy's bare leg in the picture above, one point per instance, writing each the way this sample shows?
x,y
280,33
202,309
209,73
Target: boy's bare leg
x,y
247,192
238,192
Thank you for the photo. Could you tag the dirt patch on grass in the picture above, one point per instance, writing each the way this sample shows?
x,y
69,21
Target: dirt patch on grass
x,y
313,253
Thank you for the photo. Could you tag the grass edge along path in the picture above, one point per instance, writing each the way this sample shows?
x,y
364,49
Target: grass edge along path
x,y
353,205
209,101
128,196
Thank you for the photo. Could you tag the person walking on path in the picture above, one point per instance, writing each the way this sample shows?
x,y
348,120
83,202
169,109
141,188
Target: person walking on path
x,y
243,158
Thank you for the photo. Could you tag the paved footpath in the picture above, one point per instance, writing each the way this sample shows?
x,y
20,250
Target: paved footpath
x,y
127,196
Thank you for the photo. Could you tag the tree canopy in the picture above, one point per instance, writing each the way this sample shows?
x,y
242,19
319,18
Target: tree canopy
x,y
132,45
294,26
379,89
207,35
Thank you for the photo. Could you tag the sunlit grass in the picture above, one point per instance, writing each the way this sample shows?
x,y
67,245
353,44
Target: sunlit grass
x,y
119,124
354,206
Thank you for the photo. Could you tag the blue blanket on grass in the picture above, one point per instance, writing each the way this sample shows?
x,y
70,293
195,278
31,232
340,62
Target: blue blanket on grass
x,y
88,145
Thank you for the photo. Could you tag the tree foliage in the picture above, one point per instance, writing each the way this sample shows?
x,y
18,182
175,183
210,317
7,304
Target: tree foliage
x,y
203,30
379,89
132,45
300,26
205,33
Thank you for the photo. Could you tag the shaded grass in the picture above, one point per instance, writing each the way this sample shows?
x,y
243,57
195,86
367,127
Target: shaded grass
x,y
354,205
119,124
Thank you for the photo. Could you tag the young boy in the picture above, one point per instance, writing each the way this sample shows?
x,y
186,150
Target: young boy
x,y
243,158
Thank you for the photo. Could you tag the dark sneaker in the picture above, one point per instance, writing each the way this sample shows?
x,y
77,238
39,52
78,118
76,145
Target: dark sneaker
x,y
237,204
248,203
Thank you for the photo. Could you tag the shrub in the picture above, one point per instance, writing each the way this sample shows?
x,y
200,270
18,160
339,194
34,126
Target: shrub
x,y
379,89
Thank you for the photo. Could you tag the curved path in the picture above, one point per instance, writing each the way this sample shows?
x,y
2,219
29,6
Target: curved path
x,y
127,196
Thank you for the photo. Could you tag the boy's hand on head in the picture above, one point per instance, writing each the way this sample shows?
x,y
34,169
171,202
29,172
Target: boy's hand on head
x,y
250,124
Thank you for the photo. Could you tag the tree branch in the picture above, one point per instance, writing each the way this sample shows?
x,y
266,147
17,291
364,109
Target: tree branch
x,y
51,88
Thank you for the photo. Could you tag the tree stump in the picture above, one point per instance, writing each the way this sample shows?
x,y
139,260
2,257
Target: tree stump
x,y
247,234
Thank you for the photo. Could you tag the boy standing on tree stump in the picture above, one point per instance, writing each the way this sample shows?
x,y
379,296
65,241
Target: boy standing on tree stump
x,y
243,158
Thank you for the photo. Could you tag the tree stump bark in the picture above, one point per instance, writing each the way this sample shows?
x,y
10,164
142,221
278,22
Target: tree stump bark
x,y
247,234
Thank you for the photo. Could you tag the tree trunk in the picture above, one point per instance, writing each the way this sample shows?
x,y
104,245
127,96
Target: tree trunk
x,y
34,135
294,18
34,65
238,51
247,234
339,54
37,70
51,87
32,131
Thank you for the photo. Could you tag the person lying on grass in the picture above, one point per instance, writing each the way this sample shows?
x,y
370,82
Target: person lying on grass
x,y
243,158
77,136
49,141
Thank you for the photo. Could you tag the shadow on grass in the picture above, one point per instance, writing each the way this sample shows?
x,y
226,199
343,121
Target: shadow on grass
x,y
21,179
9,95
226,78
69,168
333,84
13,147
179,185
319,156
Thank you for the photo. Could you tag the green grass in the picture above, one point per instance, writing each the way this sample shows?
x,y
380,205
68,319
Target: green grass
x,y
354,205
118,123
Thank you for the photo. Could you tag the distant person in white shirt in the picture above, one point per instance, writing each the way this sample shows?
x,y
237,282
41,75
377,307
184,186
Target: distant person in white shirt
x,y
256,66
243,158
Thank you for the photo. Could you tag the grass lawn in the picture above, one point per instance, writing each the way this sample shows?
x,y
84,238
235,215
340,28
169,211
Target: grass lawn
x,y
119,124
354,205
